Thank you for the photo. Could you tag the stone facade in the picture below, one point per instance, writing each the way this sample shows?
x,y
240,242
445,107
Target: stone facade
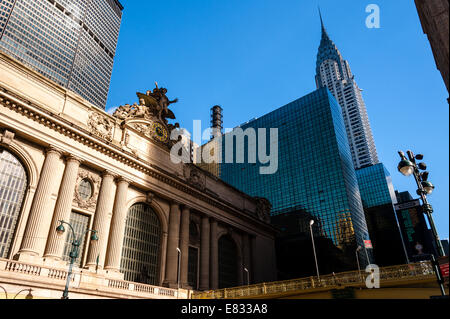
x,y
434,17
61,140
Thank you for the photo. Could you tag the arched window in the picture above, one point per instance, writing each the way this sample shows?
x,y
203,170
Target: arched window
x,y
141,245
13,184
228,260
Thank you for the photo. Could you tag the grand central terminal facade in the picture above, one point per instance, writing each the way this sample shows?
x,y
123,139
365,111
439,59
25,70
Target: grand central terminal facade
x,y
162,230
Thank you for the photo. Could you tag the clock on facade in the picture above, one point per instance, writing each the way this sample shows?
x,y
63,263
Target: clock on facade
x,y
160,132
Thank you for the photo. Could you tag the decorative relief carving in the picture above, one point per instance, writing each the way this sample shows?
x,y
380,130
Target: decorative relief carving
x,y
263,208
195,177
150,197
95,181
101,126
6,138
142,128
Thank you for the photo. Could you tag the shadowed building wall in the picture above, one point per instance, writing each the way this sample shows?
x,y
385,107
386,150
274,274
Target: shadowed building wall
x,y
434,17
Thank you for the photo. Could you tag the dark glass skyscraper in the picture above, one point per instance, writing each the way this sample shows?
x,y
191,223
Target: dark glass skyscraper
x,y
72,42
378,198
375,185
315,176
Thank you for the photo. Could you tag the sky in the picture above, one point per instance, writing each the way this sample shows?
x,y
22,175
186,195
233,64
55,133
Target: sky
x,y
254,56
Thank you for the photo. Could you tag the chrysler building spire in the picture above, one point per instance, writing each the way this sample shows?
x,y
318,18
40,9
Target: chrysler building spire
x,y
333,72
324,31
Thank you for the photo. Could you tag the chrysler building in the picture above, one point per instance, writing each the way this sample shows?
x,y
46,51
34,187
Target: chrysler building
x,y
333,72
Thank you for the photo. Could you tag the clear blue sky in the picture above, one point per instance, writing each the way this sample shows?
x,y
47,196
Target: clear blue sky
x,y
252,56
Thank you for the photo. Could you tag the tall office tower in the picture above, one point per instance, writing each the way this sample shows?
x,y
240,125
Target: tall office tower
x,y
315,179
333,72
72,42
378,198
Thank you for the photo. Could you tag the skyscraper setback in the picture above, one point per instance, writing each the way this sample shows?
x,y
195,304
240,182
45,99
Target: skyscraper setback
x,y
333,72
70,42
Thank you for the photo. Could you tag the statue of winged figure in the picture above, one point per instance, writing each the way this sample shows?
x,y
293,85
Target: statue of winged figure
x,y
158,103
152,103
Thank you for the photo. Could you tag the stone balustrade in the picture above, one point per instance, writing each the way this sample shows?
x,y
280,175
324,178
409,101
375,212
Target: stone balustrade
x,y
400,273
82,282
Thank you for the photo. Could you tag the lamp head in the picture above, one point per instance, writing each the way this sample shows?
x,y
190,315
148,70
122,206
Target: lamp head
x,y
427,187
311,222
29,296
422,166
60,229
424,176
419,157
406,167
94,236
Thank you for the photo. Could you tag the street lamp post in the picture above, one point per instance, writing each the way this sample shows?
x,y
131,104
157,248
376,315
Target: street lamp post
x,y
179,267
407,167
74,252
248,276
367,255
357,260
314,248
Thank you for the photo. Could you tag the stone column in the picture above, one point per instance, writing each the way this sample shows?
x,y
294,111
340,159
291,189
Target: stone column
x,y
204,254
162,275
214,256
40,216
184,245
102,221
63,207
172,245
116,234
